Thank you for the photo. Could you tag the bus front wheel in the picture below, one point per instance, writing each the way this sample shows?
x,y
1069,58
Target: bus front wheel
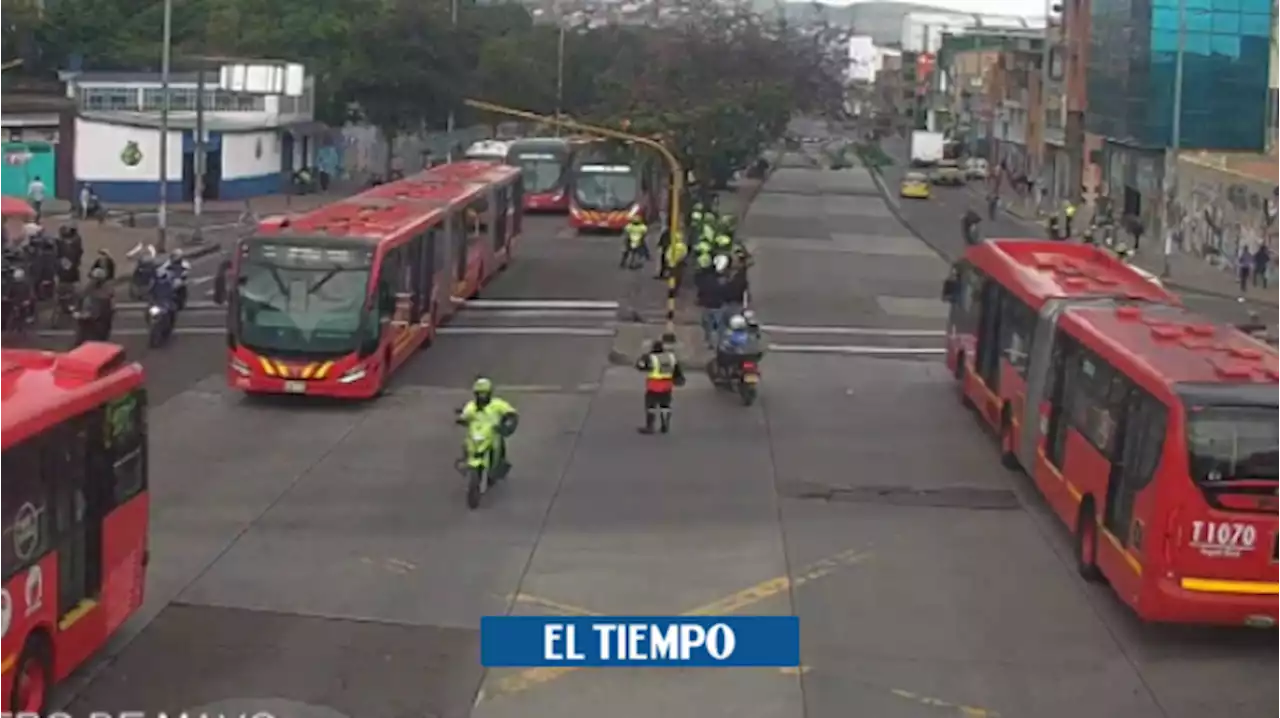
x,y
33,679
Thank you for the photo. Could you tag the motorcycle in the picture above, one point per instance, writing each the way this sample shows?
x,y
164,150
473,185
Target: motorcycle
x,y
741,377
484,457
143,279
159,324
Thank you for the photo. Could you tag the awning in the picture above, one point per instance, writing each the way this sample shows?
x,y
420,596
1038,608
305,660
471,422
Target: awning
x,y
14,207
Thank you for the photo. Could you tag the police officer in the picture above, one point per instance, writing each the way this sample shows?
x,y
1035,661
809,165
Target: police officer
x,y
662,375
634,251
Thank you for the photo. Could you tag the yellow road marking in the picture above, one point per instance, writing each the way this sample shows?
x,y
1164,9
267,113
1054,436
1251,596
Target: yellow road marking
x,y
955,708
533,677
562,609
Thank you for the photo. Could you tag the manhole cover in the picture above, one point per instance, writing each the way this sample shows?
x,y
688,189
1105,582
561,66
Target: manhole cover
x,y
952,497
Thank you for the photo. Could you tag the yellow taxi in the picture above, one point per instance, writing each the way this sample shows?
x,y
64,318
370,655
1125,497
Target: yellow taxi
x,y
915,185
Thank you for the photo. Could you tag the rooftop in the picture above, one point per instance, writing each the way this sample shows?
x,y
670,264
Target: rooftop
x,y
1179,346
39,389
1065,269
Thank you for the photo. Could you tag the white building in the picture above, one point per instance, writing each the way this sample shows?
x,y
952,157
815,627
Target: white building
x,y
252,143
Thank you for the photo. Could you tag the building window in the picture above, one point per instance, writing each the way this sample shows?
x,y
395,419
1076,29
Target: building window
x,y
109,99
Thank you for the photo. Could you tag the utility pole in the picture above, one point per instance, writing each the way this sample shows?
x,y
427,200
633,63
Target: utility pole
x,y
453,21
162,220
1046,56
560,69
1175,142
198,164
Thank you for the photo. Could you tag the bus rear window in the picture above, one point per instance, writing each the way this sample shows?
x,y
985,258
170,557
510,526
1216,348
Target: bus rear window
x,y
1233,442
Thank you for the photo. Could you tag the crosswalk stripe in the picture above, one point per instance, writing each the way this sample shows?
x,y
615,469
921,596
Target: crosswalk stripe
x,y
857,350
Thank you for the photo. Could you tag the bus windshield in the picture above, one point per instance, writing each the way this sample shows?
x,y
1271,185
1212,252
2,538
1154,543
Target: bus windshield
x,y
1233,442
542,171
302,300
606,187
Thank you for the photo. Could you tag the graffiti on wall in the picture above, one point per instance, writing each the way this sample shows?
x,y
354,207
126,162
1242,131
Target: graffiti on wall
x,y
1217,212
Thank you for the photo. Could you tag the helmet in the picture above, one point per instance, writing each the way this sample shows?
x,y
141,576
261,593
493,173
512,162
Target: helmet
x,y
721,263
697,207
19,274
723,240
482,386
704,261
749,317
657,346
736,322
98,274
176,255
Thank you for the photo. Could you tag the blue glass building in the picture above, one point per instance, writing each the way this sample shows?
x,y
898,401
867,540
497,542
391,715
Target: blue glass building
x,y
1133,45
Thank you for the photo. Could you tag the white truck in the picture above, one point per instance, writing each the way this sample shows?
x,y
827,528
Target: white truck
x,y
926,148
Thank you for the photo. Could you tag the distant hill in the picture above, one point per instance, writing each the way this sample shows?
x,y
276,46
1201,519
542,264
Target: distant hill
x,y
881,20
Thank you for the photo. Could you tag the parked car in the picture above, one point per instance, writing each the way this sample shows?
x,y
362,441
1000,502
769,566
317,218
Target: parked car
x,y
975,168
948,172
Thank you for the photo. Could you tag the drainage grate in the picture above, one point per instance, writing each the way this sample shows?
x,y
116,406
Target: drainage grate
x,y
950,497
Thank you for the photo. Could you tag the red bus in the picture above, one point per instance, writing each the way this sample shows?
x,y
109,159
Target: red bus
x,y
611,184
75,512
329,303
545,162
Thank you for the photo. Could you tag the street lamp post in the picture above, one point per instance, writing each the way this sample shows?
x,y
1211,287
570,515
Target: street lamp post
x,y
453,21
1175,142
560,70
162,219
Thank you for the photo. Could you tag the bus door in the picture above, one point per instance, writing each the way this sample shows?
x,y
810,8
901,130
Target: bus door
x,y
987,354
81,499
1040,380
421,274
501,202
1139,439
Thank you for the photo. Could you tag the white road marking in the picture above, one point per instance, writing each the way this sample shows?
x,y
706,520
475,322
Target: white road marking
x,y
546,313
537,304
528,331
854,350
855,331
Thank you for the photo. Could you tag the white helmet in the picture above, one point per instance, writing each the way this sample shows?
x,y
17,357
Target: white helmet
x,y
721,263
736,322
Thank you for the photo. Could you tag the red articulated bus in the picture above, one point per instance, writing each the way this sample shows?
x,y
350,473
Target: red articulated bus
x,y
545,163
611,183
75,511
329,303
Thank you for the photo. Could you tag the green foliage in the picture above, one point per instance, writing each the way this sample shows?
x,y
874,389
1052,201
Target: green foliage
x,y
715,80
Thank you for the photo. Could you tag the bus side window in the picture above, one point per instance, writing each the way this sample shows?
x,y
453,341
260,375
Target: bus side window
x,y
25,511
1091,411
64,462
1138,458
458,232
1017,326
501,199
392,276
124,446
1058,392
966,296
477,218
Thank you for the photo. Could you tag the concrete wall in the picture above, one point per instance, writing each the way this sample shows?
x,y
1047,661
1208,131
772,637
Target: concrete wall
x,y
105,156
251,164
1218,209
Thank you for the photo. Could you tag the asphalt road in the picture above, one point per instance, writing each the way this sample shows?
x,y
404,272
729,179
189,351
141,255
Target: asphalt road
x,y
317,561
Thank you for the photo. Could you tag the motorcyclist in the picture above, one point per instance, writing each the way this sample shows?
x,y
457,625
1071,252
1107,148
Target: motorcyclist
x,y
19,297
106,263
486,412
736,343
96,309
177,268
969,226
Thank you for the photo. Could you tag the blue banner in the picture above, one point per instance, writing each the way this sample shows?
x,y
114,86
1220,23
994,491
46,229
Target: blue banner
x,y
633,641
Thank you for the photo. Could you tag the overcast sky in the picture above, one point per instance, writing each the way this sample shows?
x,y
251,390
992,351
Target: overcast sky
x,y
992,7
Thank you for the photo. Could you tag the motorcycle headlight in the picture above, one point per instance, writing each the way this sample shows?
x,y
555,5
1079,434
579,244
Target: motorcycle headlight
x,y
154,310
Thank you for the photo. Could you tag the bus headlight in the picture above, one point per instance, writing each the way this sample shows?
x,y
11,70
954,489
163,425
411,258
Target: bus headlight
x,y
239,366
352,375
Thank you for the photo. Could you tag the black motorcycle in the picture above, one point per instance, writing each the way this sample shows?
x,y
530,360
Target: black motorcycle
x,y
160,320
741,376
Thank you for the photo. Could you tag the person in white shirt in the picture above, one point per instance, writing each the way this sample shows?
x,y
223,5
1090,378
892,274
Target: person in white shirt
x,y
35,195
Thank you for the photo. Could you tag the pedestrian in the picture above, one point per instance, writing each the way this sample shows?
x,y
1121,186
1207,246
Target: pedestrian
x,y
664,255
663,374
710,298
35,195
1068,215
1261,265
1133,225
1244,263
1055,232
